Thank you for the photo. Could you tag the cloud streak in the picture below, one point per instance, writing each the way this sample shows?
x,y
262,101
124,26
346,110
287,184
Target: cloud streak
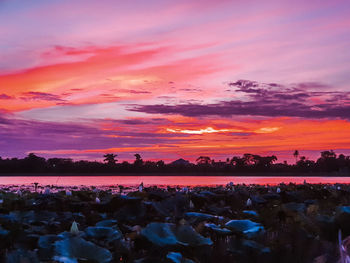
x,y
32,95
268,100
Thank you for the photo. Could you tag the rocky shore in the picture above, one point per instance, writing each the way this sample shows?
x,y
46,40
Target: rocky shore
x,y
233,223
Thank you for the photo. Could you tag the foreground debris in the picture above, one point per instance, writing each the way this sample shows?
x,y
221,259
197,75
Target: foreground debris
x,y
284,223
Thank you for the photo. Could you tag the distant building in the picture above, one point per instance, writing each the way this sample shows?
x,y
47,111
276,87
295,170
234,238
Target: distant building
x,y
180,162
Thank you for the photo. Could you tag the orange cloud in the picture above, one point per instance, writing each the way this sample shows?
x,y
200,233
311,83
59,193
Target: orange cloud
x,y
259,136
100,75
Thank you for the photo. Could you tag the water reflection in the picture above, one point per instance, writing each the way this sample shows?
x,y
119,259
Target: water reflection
x,y
165,180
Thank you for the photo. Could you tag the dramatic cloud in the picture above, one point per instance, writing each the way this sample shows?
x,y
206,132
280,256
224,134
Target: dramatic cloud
x,y
268,100
167,139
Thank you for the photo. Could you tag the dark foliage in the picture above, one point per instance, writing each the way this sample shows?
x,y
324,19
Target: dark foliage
x,y
329,162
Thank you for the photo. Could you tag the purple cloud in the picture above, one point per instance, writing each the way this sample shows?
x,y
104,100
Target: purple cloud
x,y
269,100
32,95
5,97
139,91
191,90
134,122
128,122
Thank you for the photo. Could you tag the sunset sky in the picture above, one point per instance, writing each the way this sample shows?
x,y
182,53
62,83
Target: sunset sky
x,y
174,79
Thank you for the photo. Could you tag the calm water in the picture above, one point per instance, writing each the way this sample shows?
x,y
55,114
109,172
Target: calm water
x,y
165,180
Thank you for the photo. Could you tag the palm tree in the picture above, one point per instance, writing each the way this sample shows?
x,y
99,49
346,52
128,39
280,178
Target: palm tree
x,y
296,155
110,158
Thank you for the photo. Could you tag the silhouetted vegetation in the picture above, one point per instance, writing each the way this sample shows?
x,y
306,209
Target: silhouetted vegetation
x,y
328,162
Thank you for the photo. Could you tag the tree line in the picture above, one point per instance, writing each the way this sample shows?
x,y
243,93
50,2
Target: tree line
x,y
328,162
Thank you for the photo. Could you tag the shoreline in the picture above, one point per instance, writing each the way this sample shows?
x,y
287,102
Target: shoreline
x,y
176,174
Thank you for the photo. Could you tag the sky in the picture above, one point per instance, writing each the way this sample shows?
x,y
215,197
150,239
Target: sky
x,y
174,79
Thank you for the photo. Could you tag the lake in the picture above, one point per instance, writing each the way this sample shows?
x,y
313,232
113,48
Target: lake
x,y
166,180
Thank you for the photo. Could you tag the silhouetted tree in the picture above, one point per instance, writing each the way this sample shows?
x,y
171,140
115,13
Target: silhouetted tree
x,y
160,164
203,160
296,155
249,159
305,165
328,162
138,160
60,164
34,163
110,158
328,155
341,160
263,162
238,162
125,166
